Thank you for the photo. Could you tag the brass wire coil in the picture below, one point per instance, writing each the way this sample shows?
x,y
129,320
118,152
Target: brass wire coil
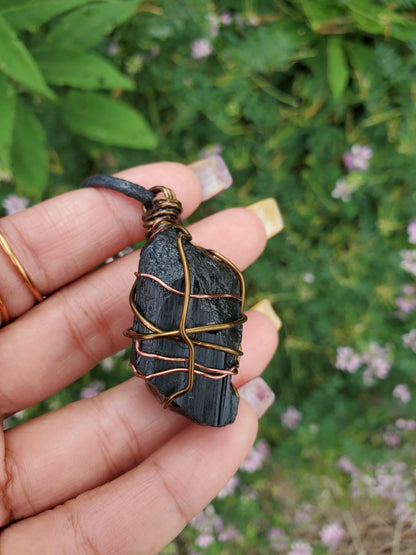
x,y
16,263
164,214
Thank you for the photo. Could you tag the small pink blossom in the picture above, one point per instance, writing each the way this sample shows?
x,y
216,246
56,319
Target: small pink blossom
x,y
358,158
95,387
342,190
278,540
303,514
331,535
408,262
204,540
411,230
229,487
113,48
347,466
13,204
409,340
255,458
225,18
402,393
391,439
229,534
201,48
407,303
347,360
380,367
291,418
404,424
300,548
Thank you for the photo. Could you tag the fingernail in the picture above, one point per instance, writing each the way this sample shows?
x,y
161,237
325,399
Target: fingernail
x,y
258,394
266,308
268,212
213,175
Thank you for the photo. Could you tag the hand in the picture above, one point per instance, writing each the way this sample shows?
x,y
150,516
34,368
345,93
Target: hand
x,y
115,473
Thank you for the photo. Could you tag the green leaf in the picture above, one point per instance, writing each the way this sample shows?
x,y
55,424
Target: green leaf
x,y
7,103
337,68
29,14
269,47
378,20
17,63
325,16
29,153
80,70
86,26
106,120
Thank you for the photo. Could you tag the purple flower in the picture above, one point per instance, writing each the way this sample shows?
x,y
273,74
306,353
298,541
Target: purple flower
x,y
229,487
201,48
357,159
204,540
13,204
92,390
331,535
380,367
303,513
291,418
347,360
300,548
225,18
391,439
402,392
408,262
407,303
113,48
342,190
404,424
411,230
229,534
347,466
377,361
409,340
255,458
278,539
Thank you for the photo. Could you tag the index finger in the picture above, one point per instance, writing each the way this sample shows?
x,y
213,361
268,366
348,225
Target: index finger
x,y
65,237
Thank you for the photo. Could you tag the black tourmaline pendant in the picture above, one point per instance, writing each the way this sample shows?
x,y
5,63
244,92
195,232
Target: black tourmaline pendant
x,y
187,303
188,319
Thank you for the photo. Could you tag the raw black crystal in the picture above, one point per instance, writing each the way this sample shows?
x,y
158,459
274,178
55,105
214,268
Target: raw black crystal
x,y
211,402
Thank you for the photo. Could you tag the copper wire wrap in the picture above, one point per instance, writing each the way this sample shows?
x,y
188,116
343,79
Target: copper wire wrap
x,y
16,263
164,213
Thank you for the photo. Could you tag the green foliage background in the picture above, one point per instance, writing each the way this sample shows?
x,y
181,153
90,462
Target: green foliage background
x,y
96,86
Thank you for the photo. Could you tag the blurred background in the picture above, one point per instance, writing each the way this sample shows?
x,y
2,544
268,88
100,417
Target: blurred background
x,y
312,103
